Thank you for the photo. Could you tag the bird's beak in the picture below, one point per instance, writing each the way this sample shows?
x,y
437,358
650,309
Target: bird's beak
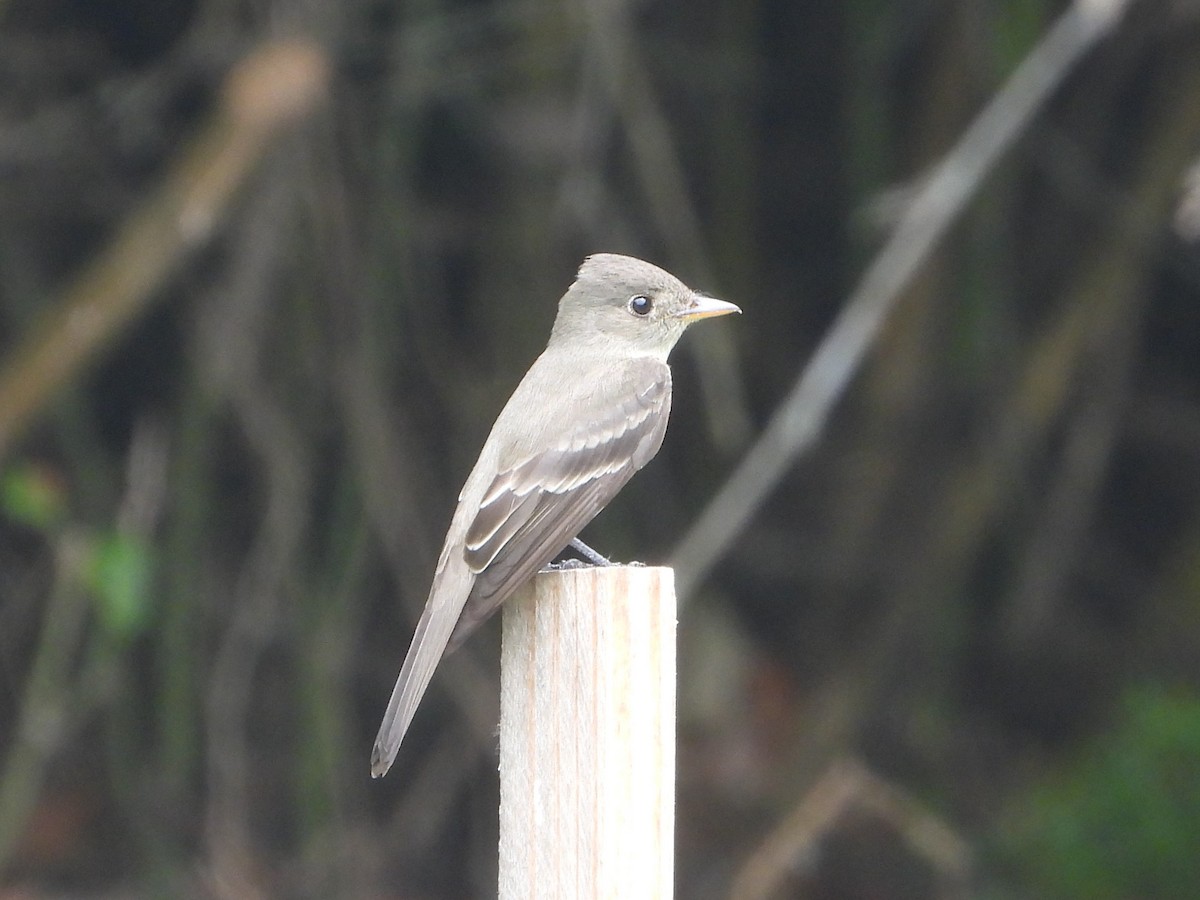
x,y
706,307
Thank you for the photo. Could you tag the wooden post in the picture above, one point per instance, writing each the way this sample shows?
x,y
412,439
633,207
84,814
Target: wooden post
x,y
587,736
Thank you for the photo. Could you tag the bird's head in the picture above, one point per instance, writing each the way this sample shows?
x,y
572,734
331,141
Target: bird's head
x,y
630,303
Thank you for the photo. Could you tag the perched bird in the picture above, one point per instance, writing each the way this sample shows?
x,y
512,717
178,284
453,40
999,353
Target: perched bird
x,y
590,412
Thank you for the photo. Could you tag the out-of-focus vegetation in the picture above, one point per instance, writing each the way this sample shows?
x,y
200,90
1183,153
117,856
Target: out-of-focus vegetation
x,y
268,271
1118,819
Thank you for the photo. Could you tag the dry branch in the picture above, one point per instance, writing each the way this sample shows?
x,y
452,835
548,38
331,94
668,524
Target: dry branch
x,y
271,88
798,421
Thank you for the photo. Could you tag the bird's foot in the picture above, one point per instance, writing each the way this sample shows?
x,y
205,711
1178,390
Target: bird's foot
x,y
565,565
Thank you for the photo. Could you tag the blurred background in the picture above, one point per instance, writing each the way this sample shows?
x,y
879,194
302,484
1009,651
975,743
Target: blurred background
x,y
269,269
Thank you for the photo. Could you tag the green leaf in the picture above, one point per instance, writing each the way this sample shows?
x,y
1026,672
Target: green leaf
x,y
34,495
119,577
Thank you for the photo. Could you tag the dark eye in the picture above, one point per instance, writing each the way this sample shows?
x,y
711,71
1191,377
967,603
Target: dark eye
x,y
640,305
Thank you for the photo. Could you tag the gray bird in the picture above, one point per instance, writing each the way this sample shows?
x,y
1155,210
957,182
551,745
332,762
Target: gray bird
x,y
590,412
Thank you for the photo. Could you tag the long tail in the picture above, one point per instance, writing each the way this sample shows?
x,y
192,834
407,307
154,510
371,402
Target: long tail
x,y
446,598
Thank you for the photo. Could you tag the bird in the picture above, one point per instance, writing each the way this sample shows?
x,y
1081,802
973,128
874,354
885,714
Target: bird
x,y
591,411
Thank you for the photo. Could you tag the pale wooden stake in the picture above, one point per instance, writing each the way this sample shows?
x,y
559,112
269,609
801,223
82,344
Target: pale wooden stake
x,y
587,736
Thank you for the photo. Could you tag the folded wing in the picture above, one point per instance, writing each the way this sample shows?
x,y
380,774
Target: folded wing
x,y
533,508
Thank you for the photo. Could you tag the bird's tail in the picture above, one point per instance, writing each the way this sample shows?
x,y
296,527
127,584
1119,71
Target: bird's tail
x,y
446,598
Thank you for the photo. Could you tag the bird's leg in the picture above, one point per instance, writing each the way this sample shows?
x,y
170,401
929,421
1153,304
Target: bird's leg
x,y
590,558
588,553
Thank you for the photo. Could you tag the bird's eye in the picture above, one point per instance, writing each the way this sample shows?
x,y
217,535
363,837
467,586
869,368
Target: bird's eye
x,y
640,305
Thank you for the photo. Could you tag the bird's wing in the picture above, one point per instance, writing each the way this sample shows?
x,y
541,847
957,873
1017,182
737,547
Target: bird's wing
x,y
533,508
